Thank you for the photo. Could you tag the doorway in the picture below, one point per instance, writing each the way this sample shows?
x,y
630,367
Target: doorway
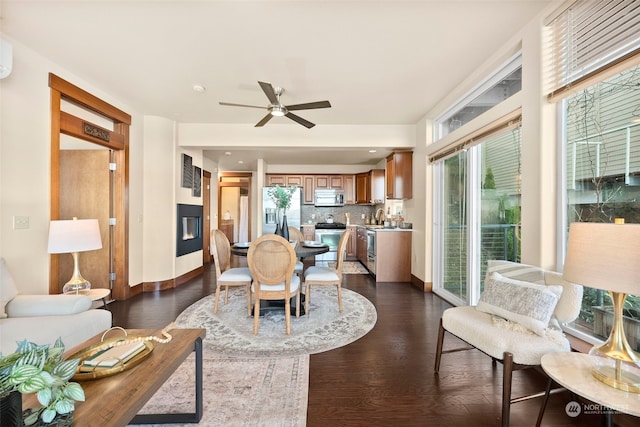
x,y
234,206
113,139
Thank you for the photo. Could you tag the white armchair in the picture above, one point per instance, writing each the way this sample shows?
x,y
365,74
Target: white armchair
x,y
44,318
516,322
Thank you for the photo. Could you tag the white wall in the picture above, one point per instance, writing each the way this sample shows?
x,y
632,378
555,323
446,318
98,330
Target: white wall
x,y
25,169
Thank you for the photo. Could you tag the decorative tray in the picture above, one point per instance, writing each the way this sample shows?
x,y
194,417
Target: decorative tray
x,y
88,371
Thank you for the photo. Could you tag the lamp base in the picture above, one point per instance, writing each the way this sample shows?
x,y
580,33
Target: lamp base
x,y
616,373
75,287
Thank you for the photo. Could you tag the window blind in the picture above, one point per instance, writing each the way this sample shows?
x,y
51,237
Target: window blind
x,y
510,121
589,41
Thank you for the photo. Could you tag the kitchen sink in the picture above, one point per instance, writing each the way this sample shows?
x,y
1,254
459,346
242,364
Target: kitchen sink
x,y
374,226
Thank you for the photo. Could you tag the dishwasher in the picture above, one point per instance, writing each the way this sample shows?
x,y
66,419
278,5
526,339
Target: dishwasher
x,y
371,251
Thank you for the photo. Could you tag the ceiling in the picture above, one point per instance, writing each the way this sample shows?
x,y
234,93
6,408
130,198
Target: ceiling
x,y
377,62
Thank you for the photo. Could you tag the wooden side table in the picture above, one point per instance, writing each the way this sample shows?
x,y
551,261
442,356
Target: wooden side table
x,y
573,372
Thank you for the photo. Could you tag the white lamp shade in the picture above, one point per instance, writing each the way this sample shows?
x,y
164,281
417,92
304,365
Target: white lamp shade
x,y
604,256
77,235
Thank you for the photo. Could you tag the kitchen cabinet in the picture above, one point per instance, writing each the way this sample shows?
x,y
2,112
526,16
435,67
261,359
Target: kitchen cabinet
x,y
329,181
399,169
308,189
370,187
361,244
349,190
393,256
352,243
309,231
284,180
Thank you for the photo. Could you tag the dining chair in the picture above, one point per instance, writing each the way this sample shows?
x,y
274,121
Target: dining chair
x,y
296,235
323,276
225,275
272,261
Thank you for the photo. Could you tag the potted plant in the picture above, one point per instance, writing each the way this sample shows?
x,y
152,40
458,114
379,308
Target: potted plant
x,y
281,196
41,369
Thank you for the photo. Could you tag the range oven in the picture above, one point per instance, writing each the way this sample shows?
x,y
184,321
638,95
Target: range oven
x,y
329,234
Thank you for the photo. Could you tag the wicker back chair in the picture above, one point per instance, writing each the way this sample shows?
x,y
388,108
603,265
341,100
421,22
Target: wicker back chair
x,y
272,260
295,234
225,275
326,275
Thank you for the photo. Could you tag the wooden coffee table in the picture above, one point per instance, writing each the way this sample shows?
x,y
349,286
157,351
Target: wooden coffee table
x,y
116,400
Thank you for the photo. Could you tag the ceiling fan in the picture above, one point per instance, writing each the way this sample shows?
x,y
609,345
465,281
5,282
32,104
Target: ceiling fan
x,y
277,109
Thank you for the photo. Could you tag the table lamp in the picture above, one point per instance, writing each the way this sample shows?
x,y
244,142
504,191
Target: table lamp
x,y
74,236
607,257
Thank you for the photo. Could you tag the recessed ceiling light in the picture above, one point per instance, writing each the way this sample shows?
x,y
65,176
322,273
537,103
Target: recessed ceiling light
x,y
227,153
199,88
240,161
372,151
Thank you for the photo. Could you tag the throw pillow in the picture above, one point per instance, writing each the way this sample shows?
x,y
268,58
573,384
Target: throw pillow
x,y
8,289
528,304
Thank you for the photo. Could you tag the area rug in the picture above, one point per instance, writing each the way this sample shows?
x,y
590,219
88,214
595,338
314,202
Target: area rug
x,y
239,391
350,267
230,331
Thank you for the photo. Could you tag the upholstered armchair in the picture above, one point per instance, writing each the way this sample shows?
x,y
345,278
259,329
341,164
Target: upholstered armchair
x,y
516,322
44,318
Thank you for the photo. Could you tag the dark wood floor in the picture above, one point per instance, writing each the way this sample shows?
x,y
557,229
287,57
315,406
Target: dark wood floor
x,y
386,378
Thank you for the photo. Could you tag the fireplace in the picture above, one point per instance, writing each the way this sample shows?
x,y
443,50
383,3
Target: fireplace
x,y
189,229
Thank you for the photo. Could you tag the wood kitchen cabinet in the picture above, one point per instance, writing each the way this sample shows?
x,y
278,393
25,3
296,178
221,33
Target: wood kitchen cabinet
x,y
399,169
393,256
284,180
226,226
309,231
352,243
370,187
350,190
329,181
308,189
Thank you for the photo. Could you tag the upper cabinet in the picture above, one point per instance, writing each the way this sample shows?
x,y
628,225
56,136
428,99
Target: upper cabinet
x,y
399,171
284,180
370,187
310,183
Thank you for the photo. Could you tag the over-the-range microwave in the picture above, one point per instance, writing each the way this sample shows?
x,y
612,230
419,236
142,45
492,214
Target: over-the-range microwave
x,y
330,197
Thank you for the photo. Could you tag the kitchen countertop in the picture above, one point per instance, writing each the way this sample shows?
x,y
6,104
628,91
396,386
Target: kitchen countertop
x,y
382,228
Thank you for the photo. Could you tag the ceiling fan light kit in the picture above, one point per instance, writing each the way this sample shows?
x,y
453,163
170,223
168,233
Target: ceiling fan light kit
x,y
276,108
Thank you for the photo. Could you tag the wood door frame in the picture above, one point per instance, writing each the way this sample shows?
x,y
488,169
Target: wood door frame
x,y
206,213
221,184
117,141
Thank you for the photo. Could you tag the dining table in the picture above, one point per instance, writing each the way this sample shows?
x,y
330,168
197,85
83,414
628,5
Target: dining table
x,y
303,250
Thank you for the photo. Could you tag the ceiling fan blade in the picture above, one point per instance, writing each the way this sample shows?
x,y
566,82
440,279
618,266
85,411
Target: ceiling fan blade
x,y
241,105
271,94
264,121
300,120
309,106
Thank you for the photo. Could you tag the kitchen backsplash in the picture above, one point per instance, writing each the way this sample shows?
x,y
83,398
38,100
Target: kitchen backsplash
x,y
312,214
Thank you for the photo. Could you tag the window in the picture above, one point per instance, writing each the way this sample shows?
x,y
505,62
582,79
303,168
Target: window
x,y
602,164
478,213
503,84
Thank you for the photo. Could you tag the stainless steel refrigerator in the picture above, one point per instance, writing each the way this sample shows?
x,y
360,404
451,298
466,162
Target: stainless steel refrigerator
x,y
269,216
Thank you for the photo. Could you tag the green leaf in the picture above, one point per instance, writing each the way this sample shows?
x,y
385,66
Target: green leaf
x,y
74,391
31,418
22,373
44,396
48,415
65,370
64,406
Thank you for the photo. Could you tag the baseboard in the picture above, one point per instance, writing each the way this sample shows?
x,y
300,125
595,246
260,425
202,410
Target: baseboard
x,y
171,283
423,286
